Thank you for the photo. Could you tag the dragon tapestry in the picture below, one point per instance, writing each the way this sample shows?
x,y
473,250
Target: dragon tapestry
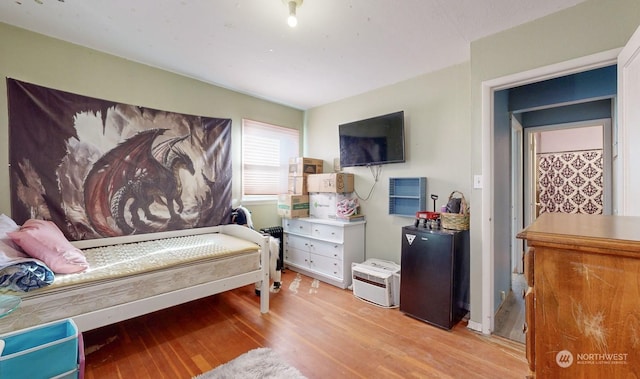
x,y
99,168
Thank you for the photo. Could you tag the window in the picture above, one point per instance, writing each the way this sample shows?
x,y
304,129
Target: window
x,y
266,150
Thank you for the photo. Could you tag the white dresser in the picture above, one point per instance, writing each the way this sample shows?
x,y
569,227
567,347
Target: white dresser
x,y
323,249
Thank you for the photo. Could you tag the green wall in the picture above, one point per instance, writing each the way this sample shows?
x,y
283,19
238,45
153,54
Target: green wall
x,y
436,109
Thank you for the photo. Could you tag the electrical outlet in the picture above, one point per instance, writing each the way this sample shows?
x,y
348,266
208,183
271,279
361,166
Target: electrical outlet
x,y
477,181
503,295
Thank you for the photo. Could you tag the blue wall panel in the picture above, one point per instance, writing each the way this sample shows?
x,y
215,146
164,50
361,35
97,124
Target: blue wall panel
x,y
598,83
592,110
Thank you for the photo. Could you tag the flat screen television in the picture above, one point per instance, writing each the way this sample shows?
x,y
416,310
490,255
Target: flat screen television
x,y
374,141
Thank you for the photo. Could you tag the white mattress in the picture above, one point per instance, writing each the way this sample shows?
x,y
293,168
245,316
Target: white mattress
x,y
115,261
124,273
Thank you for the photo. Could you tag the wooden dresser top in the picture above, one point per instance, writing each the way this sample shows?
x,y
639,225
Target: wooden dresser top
x,y
583,232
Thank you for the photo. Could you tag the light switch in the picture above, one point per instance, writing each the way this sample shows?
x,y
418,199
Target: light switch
x,y
477,181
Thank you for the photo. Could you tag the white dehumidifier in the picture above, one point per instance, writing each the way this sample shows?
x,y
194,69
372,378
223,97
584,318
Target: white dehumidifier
x,y
377,281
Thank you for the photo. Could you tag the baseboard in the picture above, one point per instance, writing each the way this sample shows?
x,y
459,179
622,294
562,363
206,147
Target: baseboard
x,y
476,326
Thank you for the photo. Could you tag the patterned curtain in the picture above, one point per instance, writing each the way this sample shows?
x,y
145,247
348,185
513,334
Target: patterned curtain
x,y
571,182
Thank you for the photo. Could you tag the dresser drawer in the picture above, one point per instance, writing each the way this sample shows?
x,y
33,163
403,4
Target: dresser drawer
x,y
528,266
529,328
327,249
327,266
328,232
296,257
297,242
311,245
296,226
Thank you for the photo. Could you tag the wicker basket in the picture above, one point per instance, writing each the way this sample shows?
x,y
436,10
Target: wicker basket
x,y
456,221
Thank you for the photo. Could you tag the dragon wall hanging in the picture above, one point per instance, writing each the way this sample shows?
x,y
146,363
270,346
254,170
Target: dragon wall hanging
x,y
101,169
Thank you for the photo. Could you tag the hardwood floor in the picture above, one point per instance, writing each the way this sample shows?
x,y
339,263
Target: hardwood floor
x,y
324,331
509,321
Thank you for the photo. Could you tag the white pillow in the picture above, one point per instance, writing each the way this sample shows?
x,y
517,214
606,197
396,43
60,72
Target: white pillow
x,y
10,253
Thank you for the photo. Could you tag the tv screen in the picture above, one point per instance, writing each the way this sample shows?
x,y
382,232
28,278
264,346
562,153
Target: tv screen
x,y
374,141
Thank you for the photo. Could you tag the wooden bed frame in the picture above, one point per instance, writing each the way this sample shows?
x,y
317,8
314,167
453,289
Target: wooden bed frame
x,y
112,314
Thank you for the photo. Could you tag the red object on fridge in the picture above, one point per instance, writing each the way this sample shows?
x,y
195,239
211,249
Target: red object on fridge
x,y
427,215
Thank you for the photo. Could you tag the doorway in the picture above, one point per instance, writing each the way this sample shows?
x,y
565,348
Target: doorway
x,y
555,168
558,168
493,244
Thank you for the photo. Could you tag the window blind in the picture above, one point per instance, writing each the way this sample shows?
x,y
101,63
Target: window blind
x,y
266,150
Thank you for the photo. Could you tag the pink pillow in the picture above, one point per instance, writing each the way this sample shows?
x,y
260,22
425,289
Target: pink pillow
x,y
44,241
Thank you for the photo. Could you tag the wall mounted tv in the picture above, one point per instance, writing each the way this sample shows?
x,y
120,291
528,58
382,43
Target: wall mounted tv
x,y
374,141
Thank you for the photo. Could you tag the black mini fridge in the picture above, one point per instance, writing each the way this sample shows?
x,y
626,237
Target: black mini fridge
x,y
434,285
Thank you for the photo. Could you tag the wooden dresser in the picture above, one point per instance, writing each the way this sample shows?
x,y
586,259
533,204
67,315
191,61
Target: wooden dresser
x,y
583,300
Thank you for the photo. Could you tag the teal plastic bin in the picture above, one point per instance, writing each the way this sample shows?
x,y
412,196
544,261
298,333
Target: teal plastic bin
x,y
43,351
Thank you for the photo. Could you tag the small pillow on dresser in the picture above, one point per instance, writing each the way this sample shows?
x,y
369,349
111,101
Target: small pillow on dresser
x,y
43,240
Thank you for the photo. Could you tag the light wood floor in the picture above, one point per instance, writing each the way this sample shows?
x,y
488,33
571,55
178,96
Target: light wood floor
x,y
510,317
322,330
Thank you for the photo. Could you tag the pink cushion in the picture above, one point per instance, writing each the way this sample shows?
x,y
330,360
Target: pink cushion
x,y
43,240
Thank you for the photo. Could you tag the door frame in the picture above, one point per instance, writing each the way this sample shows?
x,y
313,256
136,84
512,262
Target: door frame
x,y
488,88
518,152
628,114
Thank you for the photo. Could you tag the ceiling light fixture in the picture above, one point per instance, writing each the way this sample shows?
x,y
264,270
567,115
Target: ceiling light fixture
x,y
292,20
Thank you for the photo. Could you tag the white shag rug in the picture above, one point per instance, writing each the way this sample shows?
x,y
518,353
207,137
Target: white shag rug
x,y
260,363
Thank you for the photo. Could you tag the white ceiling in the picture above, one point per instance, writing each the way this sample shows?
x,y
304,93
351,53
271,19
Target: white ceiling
x,y
340,48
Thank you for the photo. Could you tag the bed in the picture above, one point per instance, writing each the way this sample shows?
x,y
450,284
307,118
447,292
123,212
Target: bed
x,y
138,274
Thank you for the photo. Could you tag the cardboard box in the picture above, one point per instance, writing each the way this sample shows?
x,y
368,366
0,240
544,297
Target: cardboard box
x,y
325,204
336,182
297,185
300,166
43,351
293,206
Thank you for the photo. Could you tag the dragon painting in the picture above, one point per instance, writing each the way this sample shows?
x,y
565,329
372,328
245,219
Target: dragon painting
x,y
98,168
130,178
